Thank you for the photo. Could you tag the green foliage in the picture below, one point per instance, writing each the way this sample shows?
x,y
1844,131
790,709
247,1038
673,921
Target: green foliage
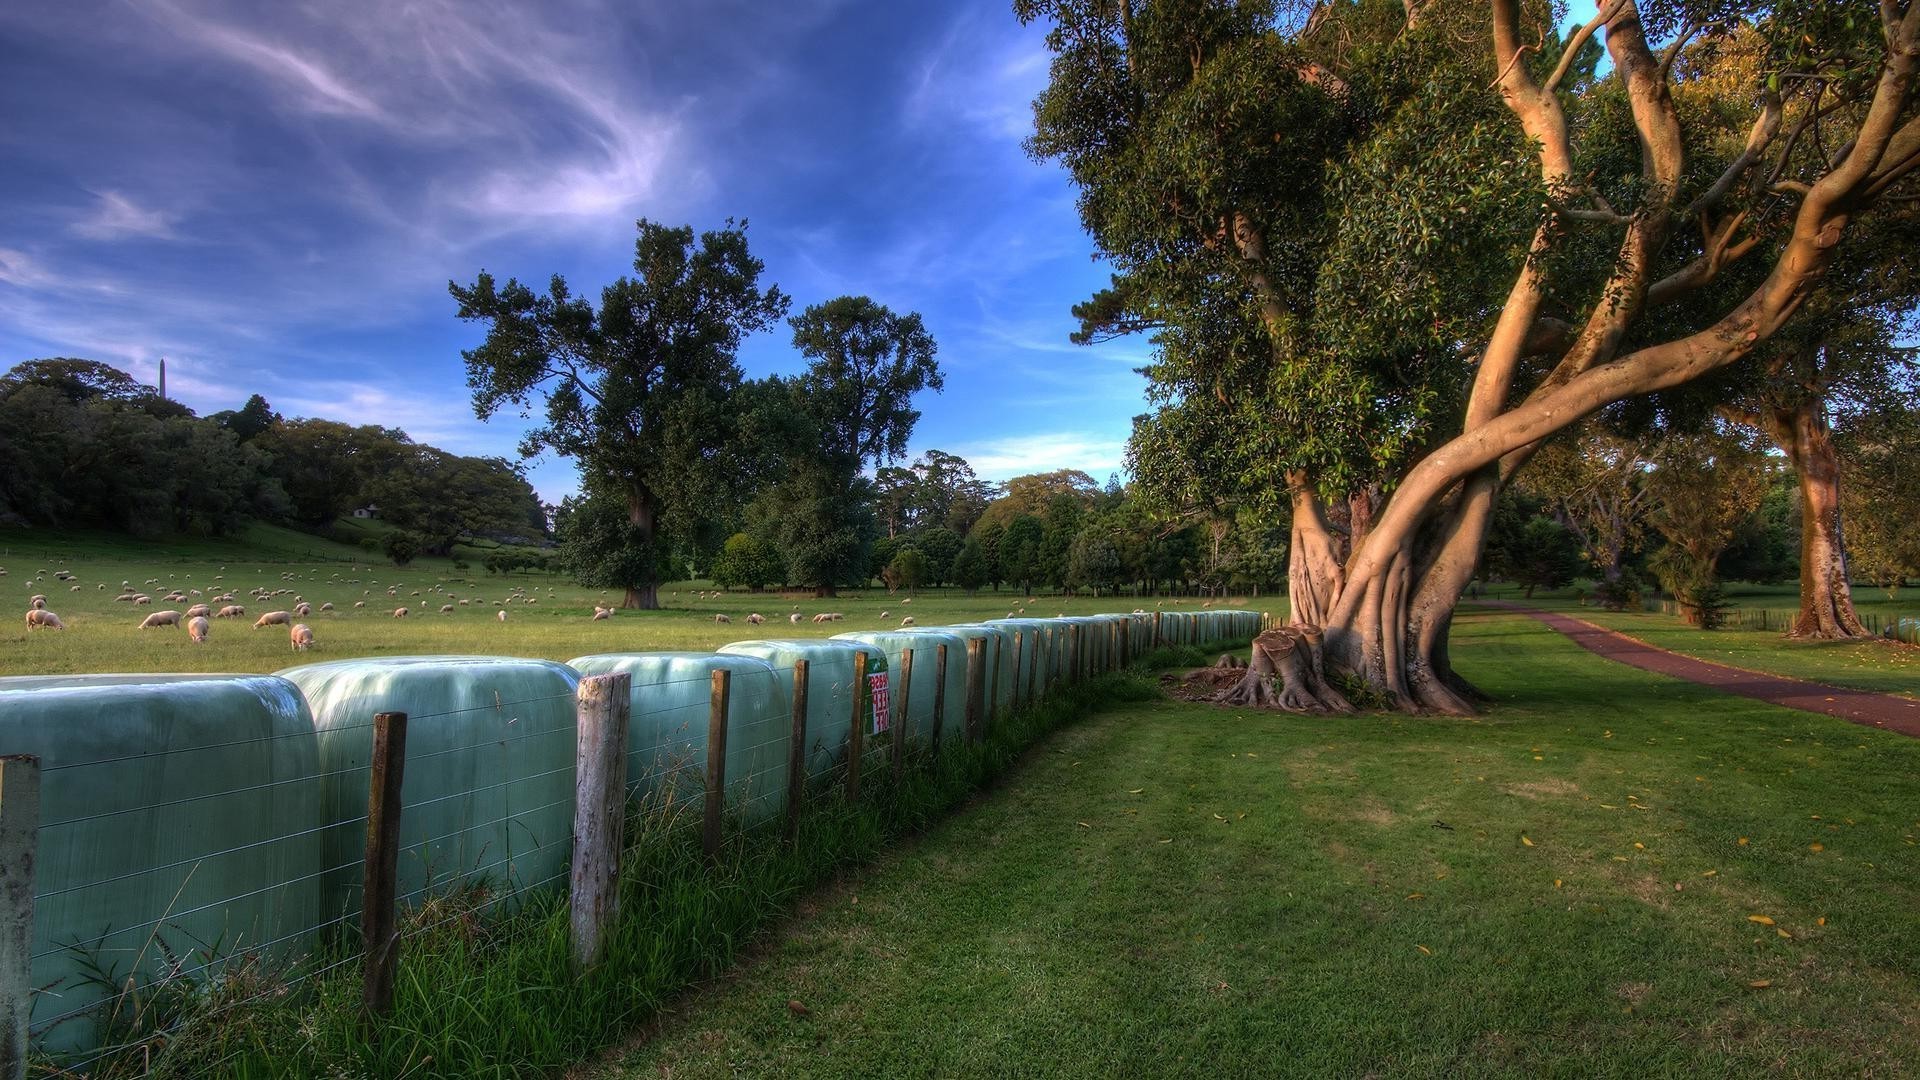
x,y
599,545
640,390
401,547
1544,556
941,546
1093,562
1020,549
970,567
746,561
907,570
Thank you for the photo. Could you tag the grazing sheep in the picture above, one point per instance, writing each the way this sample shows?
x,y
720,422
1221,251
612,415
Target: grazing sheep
x,y
756,618
399,613
794,618
197,629
908,600
139,601
160,618
908,621
301,636
883,614
820,618
328,606
199,611
42,618
231,611
600,613
273,618
37,603
76,588
721,618
446,609
303,608
359,603
502,614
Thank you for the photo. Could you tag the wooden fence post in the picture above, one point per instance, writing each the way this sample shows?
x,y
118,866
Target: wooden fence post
x,y
797,750
857,734
379,937
993,688
1157,640
939,694
19,849
899,723
717,702
1126,641
1033,669
1019,658
604,704
976,657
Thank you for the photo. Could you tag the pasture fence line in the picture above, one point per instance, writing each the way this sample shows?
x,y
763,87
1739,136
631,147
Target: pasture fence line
x,y
1900,627
361,796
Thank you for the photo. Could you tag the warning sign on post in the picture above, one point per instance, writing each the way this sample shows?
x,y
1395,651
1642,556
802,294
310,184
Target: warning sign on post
x,y
877,692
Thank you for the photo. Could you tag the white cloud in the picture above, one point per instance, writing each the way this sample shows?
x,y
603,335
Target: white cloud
x,y
1017,455
115,216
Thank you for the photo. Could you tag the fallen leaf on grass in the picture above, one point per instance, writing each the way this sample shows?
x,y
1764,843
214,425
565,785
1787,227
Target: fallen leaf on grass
x,y
1638,846
1168,840
1821,921
1524,840
1782,933
1136,791
1761,919
1416,896
1710,873
1556,883
796,1008
1424,949
1083,824
1761,984
1816,847
1743,841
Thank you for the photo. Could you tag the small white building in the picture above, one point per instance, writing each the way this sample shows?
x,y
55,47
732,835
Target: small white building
x,y
367,512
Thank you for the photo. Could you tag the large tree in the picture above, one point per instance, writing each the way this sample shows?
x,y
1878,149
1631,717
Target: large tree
x,y
1391,257
852,407
636,390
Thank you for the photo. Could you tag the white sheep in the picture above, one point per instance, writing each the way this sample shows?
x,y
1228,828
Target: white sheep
x,y
446,609
273,618
141,600
756,618
199,611
303,608
600,613
231,611
197,629
502,614
41,618
301,636
359,603
820,618
160,618
908,621
794,618
883,614
328,606
37,602
722,619
399,613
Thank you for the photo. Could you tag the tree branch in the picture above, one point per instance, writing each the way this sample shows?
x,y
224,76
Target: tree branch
x,y
1577,42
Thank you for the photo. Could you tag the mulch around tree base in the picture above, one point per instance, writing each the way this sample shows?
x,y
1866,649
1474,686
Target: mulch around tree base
x,y
1856,706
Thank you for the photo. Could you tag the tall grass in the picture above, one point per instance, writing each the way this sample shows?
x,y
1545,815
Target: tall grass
x,y
482,991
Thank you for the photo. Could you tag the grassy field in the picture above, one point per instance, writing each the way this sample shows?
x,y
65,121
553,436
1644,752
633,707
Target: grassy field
x,y
1611,874
103,634
1884,666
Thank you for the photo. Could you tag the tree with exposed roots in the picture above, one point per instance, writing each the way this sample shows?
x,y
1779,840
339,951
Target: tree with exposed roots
x,y
1388,257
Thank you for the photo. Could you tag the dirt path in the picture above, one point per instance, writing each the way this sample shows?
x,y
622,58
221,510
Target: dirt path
x,y
1856,706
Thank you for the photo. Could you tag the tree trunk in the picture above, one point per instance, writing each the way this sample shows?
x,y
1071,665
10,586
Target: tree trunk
x,y
1314,573
1826,601
1286,674
644,595
825,592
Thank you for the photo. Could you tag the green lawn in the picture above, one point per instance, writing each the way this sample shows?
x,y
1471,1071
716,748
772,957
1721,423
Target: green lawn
x,y
103,635
1884,666
1564,886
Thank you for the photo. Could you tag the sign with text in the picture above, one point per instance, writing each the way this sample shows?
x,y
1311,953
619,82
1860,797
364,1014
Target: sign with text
x,y
882,712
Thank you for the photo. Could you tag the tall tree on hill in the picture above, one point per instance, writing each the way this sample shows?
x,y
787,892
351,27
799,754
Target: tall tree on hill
x,y
1404,245
853,406
636,390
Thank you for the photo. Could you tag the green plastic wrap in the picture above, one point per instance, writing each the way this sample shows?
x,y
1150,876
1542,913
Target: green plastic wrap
x,y
488,795
1034,650
671,700
175,817
829,689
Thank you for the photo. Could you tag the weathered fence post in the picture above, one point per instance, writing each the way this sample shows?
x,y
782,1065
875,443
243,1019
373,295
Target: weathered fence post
x,y
1157,640
1033,669
1019,657
1111,661
939,694
993,688
976,662
857,735
603,705
19,848
797,750
1126,641
718,700
379,937
900,722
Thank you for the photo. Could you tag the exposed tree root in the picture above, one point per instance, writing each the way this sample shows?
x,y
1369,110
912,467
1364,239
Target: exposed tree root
x,y
1286,674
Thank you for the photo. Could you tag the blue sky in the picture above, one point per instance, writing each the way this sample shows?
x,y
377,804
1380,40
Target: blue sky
x,y
273,196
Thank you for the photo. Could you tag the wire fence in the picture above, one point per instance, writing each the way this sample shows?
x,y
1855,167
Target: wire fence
x,y
1894,626
160,870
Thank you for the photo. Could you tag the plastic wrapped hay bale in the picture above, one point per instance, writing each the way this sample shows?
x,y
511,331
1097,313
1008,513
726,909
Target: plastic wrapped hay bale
x,y
830,689
488,793
176,815
671,700
1028,669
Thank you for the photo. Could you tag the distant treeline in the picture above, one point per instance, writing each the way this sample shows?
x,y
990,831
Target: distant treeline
x,y
83,444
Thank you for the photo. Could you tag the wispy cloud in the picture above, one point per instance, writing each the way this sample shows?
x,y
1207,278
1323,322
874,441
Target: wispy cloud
x,y
1001,459
115,216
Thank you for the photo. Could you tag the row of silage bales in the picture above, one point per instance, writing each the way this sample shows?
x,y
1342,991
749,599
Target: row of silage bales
x,y
925,645
830,690
176,831
1031,663
670,701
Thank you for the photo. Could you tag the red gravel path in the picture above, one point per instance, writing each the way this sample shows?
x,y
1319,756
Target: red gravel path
x,y
1857,706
